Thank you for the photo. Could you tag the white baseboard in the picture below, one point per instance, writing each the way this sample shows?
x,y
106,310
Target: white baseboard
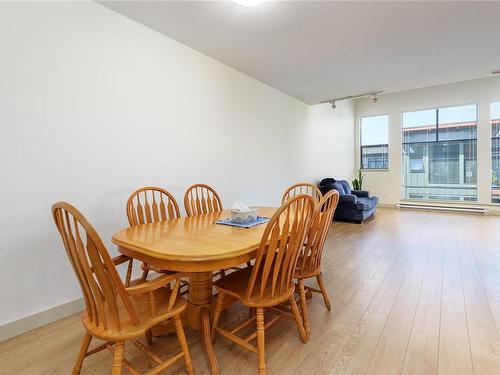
x,y
443,207
39,319
493,209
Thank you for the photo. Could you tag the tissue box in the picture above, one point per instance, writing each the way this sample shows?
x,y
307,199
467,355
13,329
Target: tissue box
x,y
244,216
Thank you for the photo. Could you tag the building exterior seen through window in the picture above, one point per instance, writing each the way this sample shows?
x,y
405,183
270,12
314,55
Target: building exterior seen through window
x,y
440,154
374,134
495,152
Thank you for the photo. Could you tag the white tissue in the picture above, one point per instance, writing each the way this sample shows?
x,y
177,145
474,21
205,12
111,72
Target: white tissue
x,y
240,206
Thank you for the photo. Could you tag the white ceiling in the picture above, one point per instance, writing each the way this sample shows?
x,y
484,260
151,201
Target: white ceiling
x,y
320,50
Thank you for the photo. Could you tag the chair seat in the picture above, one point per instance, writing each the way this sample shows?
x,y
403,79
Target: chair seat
x,y
235,284
141,304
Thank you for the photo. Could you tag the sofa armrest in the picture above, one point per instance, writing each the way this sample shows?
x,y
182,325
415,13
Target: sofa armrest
x,y
361,193
348,199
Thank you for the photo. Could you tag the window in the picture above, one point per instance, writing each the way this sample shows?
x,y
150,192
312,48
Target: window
x,y
444,163
416,158
470,163
417,165
374,142
440,153
495,152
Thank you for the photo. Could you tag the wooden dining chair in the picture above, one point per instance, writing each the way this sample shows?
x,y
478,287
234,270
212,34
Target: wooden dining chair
x,y
269,281
309,262
302,188
201,199
151,204
113,312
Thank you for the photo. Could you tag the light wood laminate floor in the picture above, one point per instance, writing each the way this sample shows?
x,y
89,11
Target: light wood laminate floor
x,y
412,293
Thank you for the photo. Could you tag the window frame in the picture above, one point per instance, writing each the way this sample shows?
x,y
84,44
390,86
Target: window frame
x,y
360,149
492,101
437,109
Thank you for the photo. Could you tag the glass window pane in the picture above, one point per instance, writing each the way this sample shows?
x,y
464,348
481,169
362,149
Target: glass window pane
x,y
440,153
470,163
444,167
417,119
374,142
374,130
457,123
495,152
419,126
416,165
458,114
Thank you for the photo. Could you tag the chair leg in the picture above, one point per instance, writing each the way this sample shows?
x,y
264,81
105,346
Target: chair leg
x,y
261,341
217,312
81,355
321,284
303,307
129,272
149,337
298,319
117,359
184,346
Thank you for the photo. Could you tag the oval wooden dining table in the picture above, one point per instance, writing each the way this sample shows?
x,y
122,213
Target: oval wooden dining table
x,y
199,247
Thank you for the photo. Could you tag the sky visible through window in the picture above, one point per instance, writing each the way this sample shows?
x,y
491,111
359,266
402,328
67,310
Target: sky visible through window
x,y
495,111
375,130
447,115
419,118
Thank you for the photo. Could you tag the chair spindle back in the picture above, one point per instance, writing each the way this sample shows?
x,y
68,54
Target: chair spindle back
x,y
96,273
279,248
201,199
151,204
302,188
312,250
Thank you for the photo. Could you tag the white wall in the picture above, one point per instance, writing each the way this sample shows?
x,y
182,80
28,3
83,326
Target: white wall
x,y
94,105
387,184
324,145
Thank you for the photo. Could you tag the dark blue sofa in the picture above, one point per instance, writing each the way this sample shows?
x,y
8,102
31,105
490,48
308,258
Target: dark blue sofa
x,y
354,205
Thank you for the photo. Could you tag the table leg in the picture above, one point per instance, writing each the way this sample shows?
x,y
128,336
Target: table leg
x,y
199,312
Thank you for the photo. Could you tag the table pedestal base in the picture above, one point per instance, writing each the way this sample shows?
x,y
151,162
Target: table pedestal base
x,y
206,338
197,315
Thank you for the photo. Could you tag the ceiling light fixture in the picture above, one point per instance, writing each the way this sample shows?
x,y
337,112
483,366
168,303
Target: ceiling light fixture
x,y
248,3
373,95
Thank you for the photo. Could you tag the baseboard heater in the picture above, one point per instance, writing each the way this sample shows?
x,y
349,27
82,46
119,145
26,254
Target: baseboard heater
x,y
476,210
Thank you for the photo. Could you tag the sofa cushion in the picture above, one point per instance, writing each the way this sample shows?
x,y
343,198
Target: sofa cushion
x,y
345,185
364,204
338,186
